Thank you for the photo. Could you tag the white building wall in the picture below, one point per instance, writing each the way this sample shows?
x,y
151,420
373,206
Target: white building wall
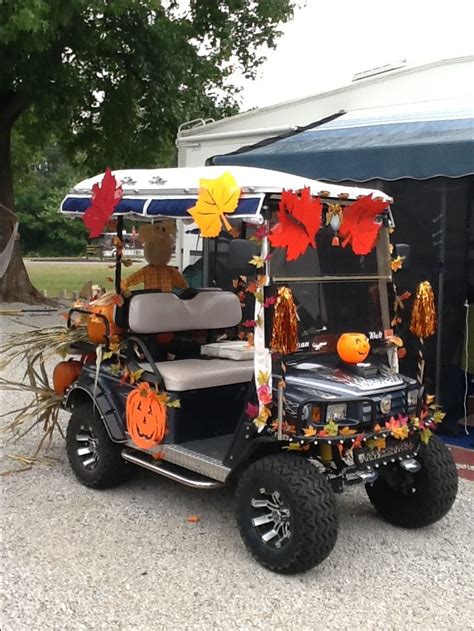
x,y
443,79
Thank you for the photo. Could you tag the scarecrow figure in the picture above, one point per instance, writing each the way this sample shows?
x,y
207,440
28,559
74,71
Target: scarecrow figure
x,y
158,241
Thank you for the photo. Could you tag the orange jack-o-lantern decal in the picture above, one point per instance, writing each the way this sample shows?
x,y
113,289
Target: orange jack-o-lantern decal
x,y
353,347
146,417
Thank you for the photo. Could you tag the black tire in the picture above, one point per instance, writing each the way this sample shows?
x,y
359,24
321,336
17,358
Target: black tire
x,y
102,467
435,487
308,529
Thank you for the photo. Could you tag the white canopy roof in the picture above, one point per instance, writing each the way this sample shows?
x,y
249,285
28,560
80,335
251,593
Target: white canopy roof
x,y
153,193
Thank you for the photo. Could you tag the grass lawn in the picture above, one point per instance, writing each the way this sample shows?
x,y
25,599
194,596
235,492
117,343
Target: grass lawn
x,y
72,275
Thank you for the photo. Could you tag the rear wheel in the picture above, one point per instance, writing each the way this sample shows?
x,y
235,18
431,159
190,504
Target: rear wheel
x,y
286,513
415,500
94,458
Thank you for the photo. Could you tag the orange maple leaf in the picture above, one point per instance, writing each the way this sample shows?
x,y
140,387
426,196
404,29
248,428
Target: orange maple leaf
x,y
359,227
396,264
357,442
299,219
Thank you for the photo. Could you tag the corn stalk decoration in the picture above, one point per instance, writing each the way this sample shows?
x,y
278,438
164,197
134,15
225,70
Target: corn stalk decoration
x,y
35,348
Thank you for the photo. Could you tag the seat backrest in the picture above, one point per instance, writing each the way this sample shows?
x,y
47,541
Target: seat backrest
x,y
163,312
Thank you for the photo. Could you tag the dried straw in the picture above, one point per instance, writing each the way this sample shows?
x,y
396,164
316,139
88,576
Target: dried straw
x,y
35,348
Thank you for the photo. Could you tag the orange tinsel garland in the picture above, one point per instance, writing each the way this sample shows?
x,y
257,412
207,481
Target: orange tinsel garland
x,y
423,315
285,323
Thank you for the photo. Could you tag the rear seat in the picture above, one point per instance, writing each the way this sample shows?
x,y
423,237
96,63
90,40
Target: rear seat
x,y
163,312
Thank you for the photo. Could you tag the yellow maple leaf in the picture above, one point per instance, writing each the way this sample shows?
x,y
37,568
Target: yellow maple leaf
x,y
400,433
263,377
216,197
376,443
415,422
309,431
331,428
258,261
296,447
425,435
260,423
135,375
347,431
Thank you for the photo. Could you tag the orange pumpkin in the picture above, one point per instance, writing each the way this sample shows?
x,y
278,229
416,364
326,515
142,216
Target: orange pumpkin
x,y
96,329
64,375
146,417
353,347
164,338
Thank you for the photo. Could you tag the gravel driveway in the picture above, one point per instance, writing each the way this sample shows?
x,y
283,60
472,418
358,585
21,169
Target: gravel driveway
x,y
128,559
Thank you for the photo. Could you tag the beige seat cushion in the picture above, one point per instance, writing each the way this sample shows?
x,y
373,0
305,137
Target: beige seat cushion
x,y
235,350
194,374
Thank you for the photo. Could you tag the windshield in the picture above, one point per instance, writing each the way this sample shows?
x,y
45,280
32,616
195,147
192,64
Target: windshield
x,y
328,262
339,307
336,291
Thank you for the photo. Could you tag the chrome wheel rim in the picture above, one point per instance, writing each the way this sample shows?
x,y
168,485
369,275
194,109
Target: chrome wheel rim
x,y
87,447
271,518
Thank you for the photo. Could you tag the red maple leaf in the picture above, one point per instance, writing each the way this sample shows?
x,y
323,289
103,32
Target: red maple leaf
x,y
249,324
299,219
251,410
357,442
359,227
105,197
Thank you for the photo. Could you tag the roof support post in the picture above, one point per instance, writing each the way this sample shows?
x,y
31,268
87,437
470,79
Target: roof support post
x,y
441,274
206,260
118,257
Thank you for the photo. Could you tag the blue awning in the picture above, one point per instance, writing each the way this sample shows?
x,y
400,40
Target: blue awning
x,y
418,141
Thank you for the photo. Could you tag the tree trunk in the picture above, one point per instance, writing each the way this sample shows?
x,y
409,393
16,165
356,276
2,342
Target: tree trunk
x,y
15,286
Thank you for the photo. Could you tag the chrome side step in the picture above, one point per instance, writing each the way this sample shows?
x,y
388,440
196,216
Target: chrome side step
x,y
175,473
189,459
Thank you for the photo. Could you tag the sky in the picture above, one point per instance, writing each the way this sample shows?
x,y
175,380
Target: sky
x,y
327,42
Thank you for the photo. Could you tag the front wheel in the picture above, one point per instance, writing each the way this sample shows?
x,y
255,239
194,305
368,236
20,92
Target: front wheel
x,y
415,500
286,512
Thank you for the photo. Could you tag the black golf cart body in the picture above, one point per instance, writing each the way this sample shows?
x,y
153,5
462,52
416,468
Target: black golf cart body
x,y
211,438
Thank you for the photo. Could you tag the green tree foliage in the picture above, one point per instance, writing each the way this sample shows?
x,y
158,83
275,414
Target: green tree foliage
x,y
42,176
113,79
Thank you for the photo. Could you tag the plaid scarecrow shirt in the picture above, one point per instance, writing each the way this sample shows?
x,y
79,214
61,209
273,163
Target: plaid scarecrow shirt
x,y
162,277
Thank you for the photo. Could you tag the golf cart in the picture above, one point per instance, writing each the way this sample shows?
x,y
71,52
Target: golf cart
x,y
293,413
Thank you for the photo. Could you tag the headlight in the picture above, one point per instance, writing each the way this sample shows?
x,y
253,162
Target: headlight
x,y
311,413
412,398
336,412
